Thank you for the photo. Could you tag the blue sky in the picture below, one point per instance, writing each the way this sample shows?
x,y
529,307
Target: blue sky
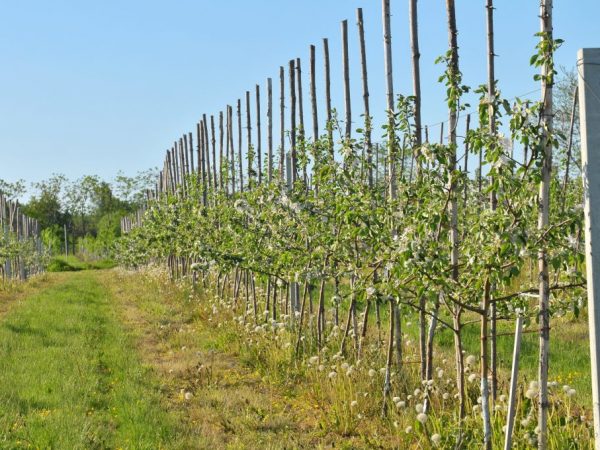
x,y
98,87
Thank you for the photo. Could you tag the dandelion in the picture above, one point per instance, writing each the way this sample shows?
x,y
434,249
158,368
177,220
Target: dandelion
x,y
370,291
566,388
571,392
417,392
353,404
321,367
188,395
445,396
401,404
471,359
503,398
419,408
534,385
372,373
531,394
408,430
332,375
440,373
422,417
525,422
313,360
345,366
396,399
436,439
472,377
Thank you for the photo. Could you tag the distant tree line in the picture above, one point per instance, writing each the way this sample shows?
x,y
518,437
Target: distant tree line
x,y
85,211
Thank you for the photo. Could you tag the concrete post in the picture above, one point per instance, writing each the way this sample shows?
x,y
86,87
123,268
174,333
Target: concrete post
x,y
588,66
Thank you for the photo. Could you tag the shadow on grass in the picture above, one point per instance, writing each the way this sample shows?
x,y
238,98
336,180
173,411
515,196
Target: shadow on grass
x,y
74,264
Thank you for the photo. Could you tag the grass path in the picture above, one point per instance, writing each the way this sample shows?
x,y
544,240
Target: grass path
x,y
233,405
68,378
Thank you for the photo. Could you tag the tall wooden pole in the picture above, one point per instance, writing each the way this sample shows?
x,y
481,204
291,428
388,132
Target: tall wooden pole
x,y
293,154
346,70
231,147
313,95
258,137
416,75
207,150
391,170
365,89
221,150
389,93
282,123
328,94
239,143
249,141
301,113
213,142
453,204
270,129
543,222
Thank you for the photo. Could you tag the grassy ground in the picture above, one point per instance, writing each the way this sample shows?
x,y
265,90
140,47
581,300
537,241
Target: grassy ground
x,y
113,359
68,379
75,264
233,405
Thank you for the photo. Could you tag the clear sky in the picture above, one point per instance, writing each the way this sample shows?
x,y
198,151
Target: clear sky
x,y
97,87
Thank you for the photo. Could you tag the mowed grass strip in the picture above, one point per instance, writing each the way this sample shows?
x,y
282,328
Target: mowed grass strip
x,y
69,379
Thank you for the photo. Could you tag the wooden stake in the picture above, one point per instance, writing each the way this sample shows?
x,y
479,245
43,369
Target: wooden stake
x,y
346,69
240,164
269,129
282,124
249,140
258,140
514,377
313,95
329,118
365,86
301,113
546,124
294,158
221,150
416,72
214,150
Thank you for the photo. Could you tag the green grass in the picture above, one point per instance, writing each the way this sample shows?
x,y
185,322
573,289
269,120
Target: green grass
x,y
75,264
569,352
68,378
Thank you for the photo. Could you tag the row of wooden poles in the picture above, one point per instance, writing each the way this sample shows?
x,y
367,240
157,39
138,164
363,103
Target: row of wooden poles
x,y
219,143
215,136
17,228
